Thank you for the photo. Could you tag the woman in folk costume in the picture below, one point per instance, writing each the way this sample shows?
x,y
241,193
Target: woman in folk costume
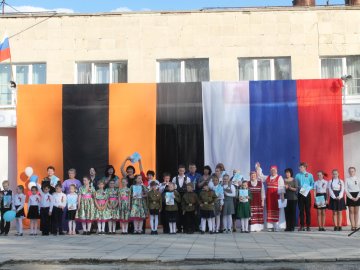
x,y
256,187
275,188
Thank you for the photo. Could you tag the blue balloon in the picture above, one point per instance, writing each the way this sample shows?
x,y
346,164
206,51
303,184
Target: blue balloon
x,y
34,178
9,216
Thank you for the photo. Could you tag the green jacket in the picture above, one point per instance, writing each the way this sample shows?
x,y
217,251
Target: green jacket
x,y
154,200
176,201
207,200
189,202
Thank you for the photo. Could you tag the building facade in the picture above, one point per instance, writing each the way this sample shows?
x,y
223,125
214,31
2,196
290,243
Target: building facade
x,y
205,45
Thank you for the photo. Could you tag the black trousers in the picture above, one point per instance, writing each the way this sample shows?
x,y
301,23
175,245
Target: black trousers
x,y
304,207
44,220
290,214
164,221
56,220
4,226
189,222
180,220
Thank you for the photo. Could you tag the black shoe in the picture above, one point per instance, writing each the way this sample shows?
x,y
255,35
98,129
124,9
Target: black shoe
x,y
211,232
61,233
6,234
1,233
335,229
339,228
308,229
84,233
202,232
54,234
301,229
77,232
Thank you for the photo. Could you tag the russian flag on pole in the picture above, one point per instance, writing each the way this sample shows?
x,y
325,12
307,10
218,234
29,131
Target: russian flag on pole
x,y
276,123
5,49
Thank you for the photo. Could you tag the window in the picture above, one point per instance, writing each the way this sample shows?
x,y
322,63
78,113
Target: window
x,y
335,67
254,69
185,70
101,72
22,73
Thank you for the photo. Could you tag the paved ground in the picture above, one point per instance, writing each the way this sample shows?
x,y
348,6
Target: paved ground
x,y
201,250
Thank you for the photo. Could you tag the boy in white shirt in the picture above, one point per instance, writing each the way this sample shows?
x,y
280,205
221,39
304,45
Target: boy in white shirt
x,y
59,199
46,207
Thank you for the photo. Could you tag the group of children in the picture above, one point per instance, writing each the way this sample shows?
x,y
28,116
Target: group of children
x,y
210,203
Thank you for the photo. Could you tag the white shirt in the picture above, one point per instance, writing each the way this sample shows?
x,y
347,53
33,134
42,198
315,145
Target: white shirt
x,y
321,186
71,201
163,186
229,194
46,200
352,184
19,200
181,180
59,199
34,200
336,185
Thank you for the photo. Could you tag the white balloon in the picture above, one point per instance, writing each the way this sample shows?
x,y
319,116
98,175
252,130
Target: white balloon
x,y
29,171
31,184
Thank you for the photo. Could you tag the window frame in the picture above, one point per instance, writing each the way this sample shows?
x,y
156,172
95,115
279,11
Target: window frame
x,y
30,74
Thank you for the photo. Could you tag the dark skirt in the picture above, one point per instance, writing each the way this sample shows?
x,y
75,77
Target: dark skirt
x,y
336,205
33,212
350,202
321,207
21,213
70,214
171,216
154,212
207,214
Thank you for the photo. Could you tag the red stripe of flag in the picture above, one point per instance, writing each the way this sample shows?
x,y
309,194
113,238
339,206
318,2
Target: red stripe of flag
x,y
5,49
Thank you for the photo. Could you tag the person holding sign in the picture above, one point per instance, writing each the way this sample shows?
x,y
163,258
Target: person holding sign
x,y
352,189
306,184
172,199
243,207
71,203
138,204
219,192
320,194
337,201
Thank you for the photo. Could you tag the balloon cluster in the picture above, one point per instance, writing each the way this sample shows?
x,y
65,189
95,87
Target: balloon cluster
x,y
29,172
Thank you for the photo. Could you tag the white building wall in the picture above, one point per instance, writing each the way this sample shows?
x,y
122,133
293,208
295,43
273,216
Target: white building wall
x,y
8,153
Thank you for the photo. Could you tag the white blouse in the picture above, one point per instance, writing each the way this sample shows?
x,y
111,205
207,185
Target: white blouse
x,y
19,200
34,200
232,192
352,184
321,186
336,185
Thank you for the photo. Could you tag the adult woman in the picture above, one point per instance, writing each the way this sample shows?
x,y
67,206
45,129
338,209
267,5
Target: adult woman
x,y
109,174
93,178
257,190
352,189
205,178
291,187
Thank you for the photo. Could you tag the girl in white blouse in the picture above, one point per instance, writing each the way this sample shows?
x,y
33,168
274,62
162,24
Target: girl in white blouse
x,y
321,195
337,202
18,206
352,189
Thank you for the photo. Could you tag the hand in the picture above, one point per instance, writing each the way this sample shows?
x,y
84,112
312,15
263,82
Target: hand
x,y
201,205
221,207
354,199
338,198
287,186
357,198
262,203
257,165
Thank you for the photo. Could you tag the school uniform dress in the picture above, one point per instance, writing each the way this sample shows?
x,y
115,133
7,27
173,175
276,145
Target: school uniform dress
x,y
229,195
18,205
257,210
337,189
57,213
34,204
274,187
171,210
124,207
207,203
138,205
113,206
6,205
189,204
86,209
352,189
154,202
71,204
292,201
243,208
321,187
46,207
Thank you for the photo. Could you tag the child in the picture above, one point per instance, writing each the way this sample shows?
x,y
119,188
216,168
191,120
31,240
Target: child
x,y
189,204
337,202
154,202
228,208
58,208
219,192
243,207
18,206
207,200
320,190
163,188
138,204
150,175
102,214
6,205
352,190
86,207
124,205
113,206
71,203
172,199
33,211
46,207
51,180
